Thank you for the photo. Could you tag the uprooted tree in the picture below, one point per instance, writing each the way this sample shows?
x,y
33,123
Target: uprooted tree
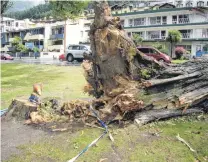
x,y
130,85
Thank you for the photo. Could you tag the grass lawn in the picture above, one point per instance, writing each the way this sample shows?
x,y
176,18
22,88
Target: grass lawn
x,y
178,61
152,142
64,82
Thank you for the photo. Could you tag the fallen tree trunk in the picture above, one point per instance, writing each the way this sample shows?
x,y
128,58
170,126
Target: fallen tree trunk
x,y
154,115
126,82
130,81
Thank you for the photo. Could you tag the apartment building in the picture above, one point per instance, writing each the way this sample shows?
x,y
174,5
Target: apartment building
x,y
150,19
48,36
9,24
152,24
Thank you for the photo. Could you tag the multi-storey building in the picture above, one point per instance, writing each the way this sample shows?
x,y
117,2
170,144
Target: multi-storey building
x,y
49,36
9,24
151,20
153,24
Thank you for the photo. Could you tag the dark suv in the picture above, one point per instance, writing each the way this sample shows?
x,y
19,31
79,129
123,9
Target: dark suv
x,y
153,52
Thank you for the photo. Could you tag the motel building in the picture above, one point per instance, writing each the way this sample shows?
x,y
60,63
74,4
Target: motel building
x,y
152,23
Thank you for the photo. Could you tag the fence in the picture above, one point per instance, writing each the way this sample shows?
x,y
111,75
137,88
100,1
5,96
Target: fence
x,y
30,54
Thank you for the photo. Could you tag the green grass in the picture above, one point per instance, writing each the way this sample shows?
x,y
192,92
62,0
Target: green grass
x,y
64,82
178,61
131,144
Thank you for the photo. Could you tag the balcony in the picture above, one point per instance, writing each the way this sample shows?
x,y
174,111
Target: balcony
x,y
155,22
11,39
186,35
153,36
183,21
57,36
28,37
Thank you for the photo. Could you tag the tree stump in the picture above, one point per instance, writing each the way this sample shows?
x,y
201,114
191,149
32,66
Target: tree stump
x,y
20,109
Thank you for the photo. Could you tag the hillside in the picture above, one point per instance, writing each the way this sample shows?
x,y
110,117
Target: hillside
x,y
43,10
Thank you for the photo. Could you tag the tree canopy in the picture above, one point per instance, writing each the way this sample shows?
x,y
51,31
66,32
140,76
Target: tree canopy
x,y
5,5
174,36
36,12
67,9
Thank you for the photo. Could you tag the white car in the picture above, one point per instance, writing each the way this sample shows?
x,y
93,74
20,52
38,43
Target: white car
x,y
75,52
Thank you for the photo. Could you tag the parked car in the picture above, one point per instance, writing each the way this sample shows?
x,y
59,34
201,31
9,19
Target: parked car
x,y
5,56
155,53
76,52
62,57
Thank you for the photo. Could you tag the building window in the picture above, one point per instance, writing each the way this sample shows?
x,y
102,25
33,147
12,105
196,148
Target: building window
x,y
174,19
179,4
186,33
151,35
200,4
146,4
183,19
58,42
16,24
189,4
186,47
163,34
155,20
139,21
204,33
130,22
122,23
141,34
164,20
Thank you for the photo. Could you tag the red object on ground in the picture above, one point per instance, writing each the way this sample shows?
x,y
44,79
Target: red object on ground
x,y
5,56
37,88
62,57
155,53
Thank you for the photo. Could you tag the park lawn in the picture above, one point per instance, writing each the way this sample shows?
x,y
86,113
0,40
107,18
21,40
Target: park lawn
x,y
62,82
178,61
153,142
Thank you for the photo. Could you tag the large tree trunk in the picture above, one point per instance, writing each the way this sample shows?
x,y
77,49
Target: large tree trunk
x,y
130,81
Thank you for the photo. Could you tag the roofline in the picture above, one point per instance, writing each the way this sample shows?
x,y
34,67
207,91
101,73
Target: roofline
x,y
154,11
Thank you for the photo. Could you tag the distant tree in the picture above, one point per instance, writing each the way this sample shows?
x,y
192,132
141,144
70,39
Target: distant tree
x,y
67,9
17,40
137,38
64,10
17,43
174,36
35,49
36,12
21,48
5,5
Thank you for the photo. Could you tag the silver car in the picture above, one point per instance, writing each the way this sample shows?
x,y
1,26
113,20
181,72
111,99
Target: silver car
x,y
76,52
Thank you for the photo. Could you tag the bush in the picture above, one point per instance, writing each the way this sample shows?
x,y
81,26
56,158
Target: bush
x,y
179,51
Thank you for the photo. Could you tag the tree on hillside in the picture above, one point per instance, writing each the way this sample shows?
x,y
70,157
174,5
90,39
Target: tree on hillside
x,y
36,12
5,5
174,36
65,10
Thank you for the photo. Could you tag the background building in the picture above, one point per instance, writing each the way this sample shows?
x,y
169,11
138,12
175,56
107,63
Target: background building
x,y
150,19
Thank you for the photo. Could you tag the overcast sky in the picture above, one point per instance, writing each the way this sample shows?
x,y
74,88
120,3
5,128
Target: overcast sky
x,y
20,5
